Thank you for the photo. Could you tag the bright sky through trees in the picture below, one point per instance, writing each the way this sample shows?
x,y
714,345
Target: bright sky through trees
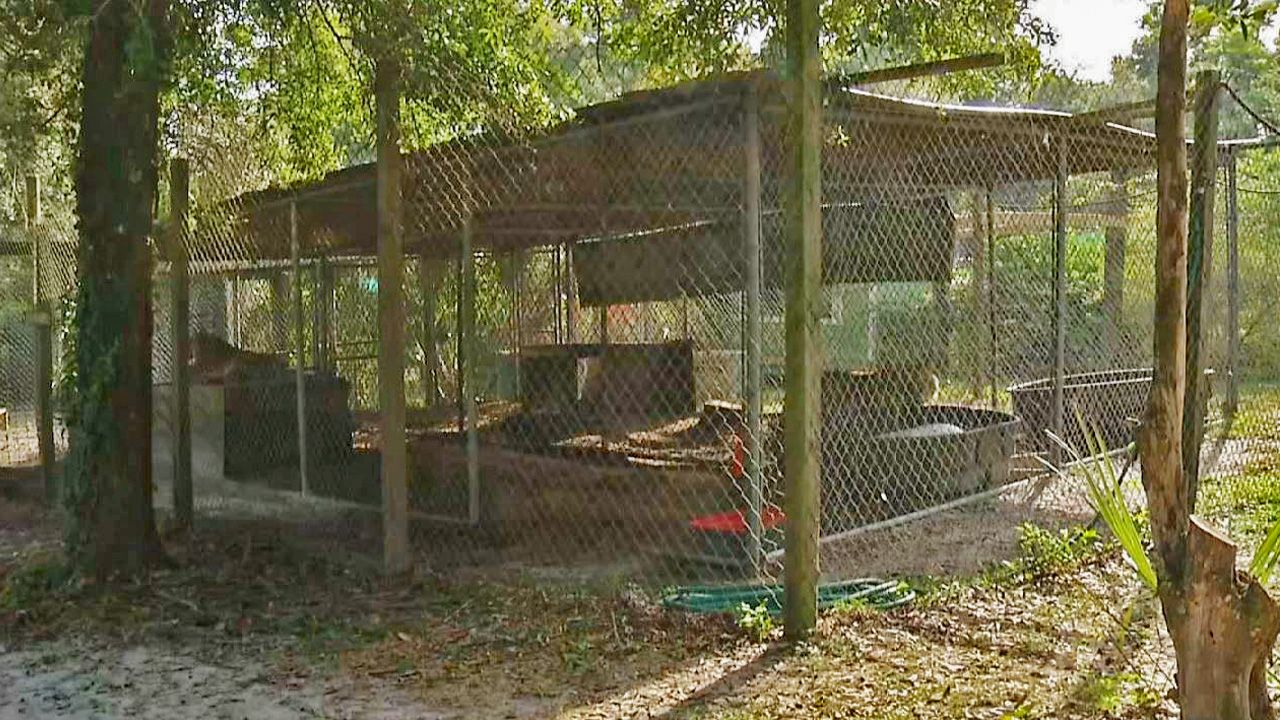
x,y
1091,32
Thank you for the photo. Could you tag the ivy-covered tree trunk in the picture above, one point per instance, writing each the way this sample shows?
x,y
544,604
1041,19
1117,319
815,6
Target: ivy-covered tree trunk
x,y
1222,622
110,523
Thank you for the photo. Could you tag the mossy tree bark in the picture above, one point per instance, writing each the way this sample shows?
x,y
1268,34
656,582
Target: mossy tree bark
x,y
1222,622
110,522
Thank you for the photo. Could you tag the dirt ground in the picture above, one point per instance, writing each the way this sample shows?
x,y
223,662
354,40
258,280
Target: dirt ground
x,y
275,609
270,617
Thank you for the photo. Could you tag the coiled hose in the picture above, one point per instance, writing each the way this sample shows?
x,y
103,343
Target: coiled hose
x,y
872,592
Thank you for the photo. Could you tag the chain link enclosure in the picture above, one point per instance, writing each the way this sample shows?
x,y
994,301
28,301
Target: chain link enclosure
x,y
594,315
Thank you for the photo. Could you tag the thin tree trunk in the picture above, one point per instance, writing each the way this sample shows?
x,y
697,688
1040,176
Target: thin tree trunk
x,y
1222,623
111,525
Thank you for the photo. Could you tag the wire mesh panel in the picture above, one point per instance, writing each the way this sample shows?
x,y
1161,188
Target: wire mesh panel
x,y
594,312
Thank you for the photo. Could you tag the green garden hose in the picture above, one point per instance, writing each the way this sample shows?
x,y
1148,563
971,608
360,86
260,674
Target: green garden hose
x,y
872,592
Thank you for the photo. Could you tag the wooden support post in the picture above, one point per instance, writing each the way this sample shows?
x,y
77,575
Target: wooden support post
x,y
1233,288
803,415
299,348
467,371
391,324
1204,173
180,331
1057,421
755,398
429,282
42,324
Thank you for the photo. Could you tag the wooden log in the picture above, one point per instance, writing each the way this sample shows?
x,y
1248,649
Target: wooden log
x,y
918,70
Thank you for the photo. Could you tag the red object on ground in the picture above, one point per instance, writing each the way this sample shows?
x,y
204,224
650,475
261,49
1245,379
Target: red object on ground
x,y
735,521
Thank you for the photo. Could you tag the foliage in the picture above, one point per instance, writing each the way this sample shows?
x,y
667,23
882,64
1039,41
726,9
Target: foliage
x,y
1106,495
756,621
32,582
1044,553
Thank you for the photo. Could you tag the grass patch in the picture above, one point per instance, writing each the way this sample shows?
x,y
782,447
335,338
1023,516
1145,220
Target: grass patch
x,y
1258,415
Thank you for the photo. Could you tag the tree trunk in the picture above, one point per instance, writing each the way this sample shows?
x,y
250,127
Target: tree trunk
x,y
110,524
1223,624
1227,630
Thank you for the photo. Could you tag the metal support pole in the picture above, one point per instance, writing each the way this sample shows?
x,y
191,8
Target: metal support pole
x,y
317,336
467,356
429,280
1233,288
233,312
1117,237
517,292
559,294
42,326
751,246
391,323
991,293
571,298
981,361
299,348
1204,174
459,348
1058,414
602,319
180,329
324,303
34,213
803,419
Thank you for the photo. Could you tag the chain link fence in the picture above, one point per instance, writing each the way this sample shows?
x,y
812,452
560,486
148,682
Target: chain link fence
x,y
594,315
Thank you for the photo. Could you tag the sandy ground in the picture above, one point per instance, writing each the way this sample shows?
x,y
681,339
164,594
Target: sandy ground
x,y
69,682
284,567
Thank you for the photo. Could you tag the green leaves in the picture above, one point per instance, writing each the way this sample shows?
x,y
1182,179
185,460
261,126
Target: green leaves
x,y
1267,556
1106,496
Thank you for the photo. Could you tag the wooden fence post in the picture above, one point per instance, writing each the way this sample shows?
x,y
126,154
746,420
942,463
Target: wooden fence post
x,y
180,329
1204,173
391,329
42,324
803,416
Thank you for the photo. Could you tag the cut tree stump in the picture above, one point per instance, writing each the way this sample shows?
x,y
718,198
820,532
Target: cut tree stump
x,y
1229,629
